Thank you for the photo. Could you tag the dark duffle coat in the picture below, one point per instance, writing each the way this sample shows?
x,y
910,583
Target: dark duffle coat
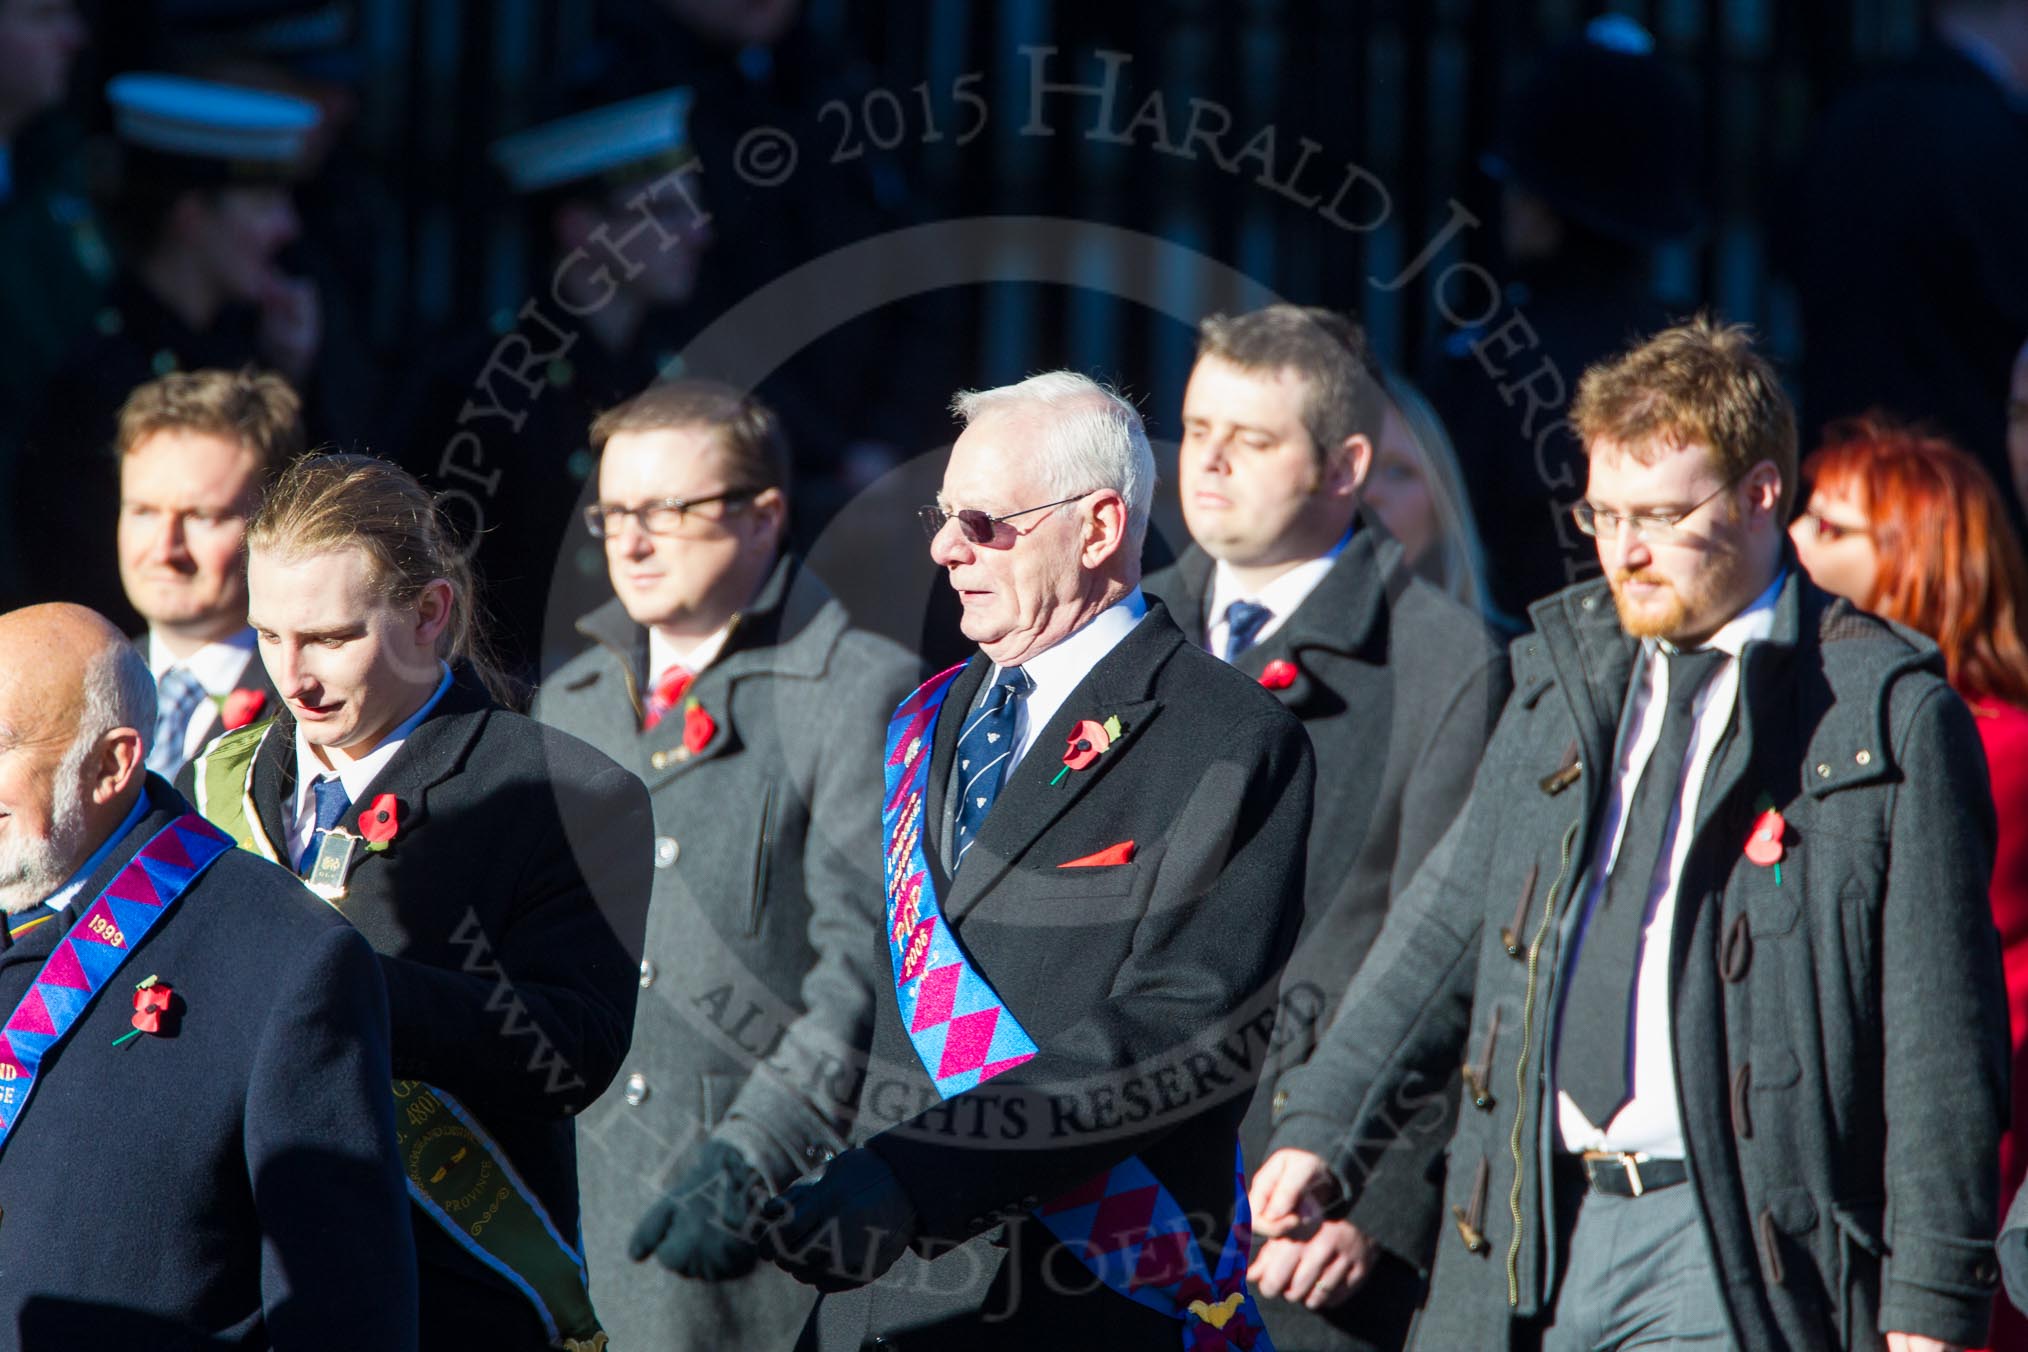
x,y
1840,1037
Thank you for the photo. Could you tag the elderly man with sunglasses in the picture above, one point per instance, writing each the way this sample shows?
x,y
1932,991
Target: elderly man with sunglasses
x,y
1095,836
726,676
1710,938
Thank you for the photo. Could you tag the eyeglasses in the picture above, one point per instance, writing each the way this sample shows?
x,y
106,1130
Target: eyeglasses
x,y
1655,526
1830,532
666,517
978,528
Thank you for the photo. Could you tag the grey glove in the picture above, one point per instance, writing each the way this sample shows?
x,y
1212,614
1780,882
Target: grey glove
x,y
705,1225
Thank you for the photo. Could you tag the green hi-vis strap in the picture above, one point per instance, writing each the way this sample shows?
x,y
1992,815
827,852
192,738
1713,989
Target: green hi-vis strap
x,y
456,1175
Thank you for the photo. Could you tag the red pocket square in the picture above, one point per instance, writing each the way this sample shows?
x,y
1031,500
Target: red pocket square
x,y
1112,854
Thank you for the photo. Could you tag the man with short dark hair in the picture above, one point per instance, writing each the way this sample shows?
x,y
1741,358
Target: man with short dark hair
x,y
197,1146
725,675
1397,686
195,448
1711,934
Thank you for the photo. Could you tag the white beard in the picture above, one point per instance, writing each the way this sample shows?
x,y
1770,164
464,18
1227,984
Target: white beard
x,y
32,869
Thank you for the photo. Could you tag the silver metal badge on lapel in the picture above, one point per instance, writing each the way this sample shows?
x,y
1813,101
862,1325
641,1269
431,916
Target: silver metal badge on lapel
x,y
335,858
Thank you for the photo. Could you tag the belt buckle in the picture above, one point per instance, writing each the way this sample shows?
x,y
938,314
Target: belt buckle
x,y
1629,1164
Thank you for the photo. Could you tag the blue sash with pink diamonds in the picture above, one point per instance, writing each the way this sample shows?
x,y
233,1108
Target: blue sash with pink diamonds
x,y
1124,1226
134,902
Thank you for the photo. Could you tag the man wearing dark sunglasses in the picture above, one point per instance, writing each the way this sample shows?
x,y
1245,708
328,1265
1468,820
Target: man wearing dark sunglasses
x,y
1095,841
1397,686
726,677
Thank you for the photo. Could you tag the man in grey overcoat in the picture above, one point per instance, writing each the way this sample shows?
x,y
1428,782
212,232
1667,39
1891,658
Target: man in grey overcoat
x,y
1711,933
732,682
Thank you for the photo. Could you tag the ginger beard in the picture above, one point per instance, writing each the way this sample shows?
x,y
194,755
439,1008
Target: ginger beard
x,y
1692,605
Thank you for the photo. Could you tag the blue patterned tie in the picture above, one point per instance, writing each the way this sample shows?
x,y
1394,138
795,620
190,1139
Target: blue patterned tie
x,y
332,804
983,748
1243,620
177,696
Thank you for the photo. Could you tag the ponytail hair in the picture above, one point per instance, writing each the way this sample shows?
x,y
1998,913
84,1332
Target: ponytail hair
x,y
327,502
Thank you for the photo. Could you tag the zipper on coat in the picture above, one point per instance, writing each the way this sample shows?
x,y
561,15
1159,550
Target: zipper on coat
x,y
1521,1066
761,850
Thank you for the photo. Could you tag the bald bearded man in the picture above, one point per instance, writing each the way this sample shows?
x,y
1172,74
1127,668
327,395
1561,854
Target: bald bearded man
x,y
196,1141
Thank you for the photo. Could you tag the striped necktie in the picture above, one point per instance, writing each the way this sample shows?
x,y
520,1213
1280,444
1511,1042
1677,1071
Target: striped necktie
x,y
983,748
667,693
177,696
332,804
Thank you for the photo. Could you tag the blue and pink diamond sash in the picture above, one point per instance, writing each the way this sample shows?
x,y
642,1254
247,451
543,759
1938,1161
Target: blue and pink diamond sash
x,y
1124,1226
145,890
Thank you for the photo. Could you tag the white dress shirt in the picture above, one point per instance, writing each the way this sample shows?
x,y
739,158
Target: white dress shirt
x,y
664,652
1058,671
1280,596
218,667
356,775
1651,1121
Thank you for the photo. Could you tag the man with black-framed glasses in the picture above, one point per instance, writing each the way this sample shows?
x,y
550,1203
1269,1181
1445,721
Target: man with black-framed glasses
x,y
1710,938
726,676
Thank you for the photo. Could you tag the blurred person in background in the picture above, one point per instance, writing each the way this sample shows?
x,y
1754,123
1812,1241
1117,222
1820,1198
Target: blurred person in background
x,y
1904,234
2017,426
1905,524
53,261
1418,492
196,448
202,209
494,418
1597,160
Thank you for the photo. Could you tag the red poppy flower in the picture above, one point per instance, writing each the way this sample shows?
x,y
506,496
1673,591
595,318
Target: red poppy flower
x,y
242,707
1279,674
697,728
381,820
1764,846
1088,740
150,1004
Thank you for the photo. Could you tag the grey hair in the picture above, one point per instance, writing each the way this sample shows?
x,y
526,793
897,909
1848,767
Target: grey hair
x,y
119,692
1093,438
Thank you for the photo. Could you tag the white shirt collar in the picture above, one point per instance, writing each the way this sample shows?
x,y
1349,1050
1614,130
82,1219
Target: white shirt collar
x,y
62,896
1281,596
218,665
664,652
357,775
1057,671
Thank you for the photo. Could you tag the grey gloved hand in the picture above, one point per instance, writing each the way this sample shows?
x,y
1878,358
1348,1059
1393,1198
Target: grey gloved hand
x,y
705,1225
842,1229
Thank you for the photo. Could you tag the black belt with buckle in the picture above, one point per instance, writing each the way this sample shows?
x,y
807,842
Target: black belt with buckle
x,y
1613,1174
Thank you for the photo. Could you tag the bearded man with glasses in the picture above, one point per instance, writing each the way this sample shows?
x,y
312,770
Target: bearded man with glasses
x,y
725,675
1711,933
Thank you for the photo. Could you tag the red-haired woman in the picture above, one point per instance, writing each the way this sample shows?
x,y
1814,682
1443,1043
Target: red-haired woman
x,y
1913,529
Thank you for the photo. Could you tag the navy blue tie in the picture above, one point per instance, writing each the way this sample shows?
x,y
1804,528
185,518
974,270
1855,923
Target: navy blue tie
x,y
332,804
983,749
1243,620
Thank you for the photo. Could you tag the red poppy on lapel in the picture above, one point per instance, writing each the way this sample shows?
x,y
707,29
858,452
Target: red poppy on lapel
x,y
697,727
1765,846
242,707
1087,742
151,1004
1122,853
1279,674
381,821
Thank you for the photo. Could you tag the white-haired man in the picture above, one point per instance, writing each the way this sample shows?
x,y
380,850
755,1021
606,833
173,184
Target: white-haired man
x,y
1095,850
196,1140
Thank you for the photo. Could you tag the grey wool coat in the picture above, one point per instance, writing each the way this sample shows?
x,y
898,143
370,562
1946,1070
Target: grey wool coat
x,y
1398,687
1840,1036
762,940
